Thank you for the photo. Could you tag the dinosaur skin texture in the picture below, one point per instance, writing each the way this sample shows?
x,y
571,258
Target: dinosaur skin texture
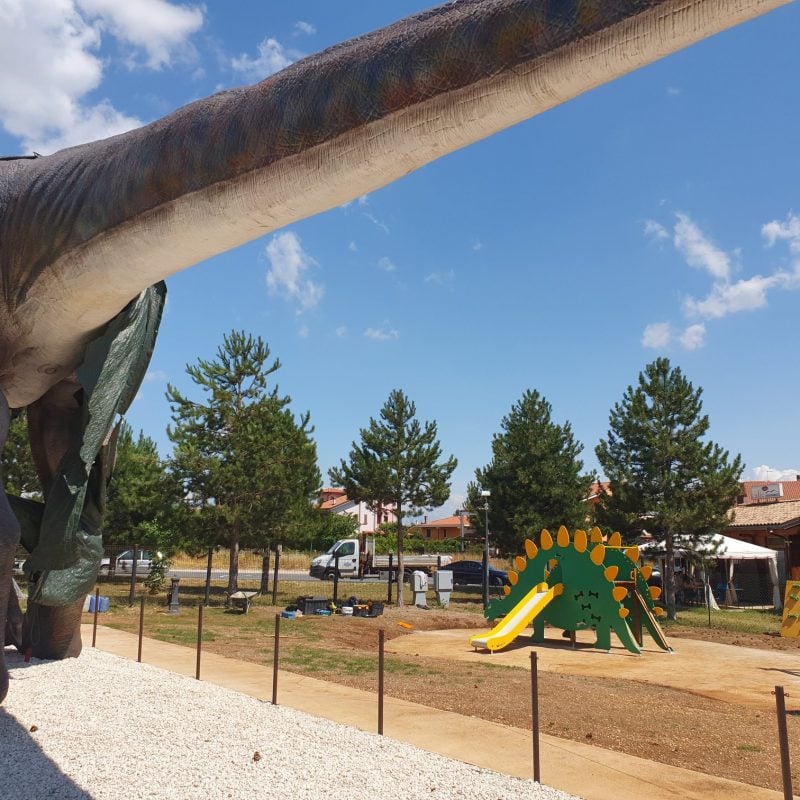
x,y
86,230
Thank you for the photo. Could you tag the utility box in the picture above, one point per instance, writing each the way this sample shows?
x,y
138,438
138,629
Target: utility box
x,y
443,586
419,584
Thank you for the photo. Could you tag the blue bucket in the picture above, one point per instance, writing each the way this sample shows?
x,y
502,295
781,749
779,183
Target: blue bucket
x,y
104,604
92,599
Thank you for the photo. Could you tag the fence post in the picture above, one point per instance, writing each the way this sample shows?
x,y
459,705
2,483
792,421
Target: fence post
x,y
389,592
208,576
141,629
275,660
783,741
381,640
265,573
535,715
336,580
96,607
199,639
278,549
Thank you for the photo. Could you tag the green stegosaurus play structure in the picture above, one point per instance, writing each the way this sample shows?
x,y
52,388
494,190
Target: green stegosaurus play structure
x,y
577,583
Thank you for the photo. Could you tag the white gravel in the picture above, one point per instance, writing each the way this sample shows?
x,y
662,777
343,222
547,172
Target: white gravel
x,y
104,727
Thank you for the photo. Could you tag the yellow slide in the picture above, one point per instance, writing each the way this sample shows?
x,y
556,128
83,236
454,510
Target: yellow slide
x,y
518,618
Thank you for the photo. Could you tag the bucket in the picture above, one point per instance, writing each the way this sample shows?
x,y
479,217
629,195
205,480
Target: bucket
x,y
92,600
347,611
86,602
105,602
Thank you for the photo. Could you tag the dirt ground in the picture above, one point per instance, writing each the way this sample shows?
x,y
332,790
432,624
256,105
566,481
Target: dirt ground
x,y
642,719
669,725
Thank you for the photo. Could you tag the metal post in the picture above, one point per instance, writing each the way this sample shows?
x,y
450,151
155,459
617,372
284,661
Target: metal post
x,y
134,567
389,592
208,576
783,741
381,640
535,715
336,579
275,659
485,493
96,607
199,639
278,549
141,628
174,600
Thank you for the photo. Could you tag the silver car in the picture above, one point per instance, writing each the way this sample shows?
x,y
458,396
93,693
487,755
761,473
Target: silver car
x,y
144,562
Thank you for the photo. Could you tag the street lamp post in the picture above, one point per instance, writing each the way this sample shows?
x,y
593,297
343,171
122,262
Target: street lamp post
x,y
486,494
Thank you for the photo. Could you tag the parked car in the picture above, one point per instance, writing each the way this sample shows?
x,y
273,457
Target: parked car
x,y
123,564
470,573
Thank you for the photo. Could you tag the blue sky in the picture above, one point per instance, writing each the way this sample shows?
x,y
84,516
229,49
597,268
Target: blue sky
x,y
657,215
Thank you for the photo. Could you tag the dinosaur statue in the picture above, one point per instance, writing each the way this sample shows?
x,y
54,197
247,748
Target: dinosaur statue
x,y
85,232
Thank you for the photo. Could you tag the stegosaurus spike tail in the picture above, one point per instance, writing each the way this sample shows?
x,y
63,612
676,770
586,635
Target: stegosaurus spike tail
x,y
562,538
531,549
581,541
546,539
615,540
595,535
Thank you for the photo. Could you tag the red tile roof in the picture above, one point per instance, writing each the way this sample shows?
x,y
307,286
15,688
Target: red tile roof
x,y
791,491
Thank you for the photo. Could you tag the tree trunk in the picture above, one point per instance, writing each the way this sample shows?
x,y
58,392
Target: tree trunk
x,y
265,573
233,567
668,579
400,576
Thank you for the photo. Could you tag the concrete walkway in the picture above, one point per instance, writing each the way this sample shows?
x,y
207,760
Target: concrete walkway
x,y
590,772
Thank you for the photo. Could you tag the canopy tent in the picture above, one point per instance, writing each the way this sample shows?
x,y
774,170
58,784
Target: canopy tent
x,y
722,548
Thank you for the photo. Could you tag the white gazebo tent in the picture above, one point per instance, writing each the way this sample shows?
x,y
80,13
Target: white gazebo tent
x,y
726,549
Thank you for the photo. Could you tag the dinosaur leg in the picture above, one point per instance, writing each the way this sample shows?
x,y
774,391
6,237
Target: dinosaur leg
x,y
9,538
51,630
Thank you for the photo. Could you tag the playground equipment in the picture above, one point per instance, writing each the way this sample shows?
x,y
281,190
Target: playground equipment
x,y
791,611
576,584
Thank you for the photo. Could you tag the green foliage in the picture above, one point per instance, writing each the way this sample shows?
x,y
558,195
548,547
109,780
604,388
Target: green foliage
x,y
249,467
157,579
397,463
534,477
322,529
19,471
143,498
664,476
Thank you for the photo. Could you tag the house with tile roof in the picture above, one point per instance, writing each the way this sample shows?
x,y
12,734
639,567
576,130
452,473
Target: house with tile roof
x,y
455,527
336,501
768,514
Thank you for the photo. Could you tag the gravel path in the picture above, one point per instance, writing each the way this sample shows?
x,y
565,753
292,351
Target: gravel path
x,y
100,727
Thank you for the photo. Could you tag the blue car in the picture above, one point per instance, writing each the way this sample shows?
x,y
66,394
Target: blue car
x,y
470,573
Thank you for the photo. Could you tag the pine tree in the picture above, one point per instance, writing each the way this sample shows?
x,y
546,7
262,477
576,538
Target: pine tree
x,y
247,465
19,471
397,463
664,477
534,476
142,495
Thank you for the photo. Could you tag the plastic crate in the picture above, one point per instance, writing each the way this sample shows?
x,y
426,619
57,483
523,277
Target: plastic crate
x,y
310,605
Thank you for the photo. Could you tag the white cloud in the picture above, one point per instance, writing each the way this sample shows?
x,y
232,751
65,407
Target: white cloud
x,y
160,28
352,247
286,275
375,221
49,56
442,278
698,250
272,57
156,376
381,334
304,27
303,331
673,91
655,230
694,337
363,200
787,231
657,334
773,474
477,246
730,298
386,264
341,331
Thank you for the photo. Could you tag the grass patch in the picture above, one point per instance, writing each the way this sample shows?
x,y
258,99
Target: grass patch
x,y
745,621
